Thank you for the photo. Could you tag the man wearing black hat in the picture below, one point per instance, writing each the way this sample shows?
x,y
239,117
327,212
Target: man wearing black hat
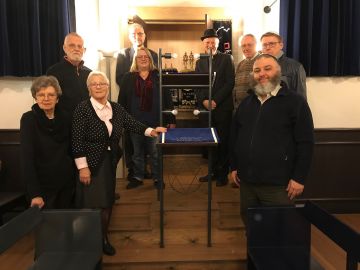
x,y
221,102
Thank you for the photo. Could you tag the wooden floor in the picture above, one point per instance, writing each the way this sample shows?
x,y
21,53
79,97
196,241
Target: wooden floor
x,y
135,224
135,227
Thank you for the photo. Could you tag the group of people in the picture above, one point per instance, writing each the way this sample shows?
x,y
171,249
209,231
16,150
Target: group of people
x,y
70,138
267,141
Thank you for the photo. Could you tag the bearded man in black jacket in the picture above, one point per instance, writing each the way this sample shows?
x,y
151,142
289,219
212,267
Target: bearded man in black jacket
x,y
271,141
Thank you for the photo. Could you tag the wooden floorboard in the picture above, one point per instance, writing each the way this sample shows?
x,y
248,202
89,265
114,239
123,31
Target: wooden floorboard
x,y
20,256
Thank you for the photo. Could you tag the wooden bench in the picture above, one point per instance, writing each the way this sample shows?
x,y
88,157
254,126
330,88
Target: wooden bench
x,y
64,239
279,237
340,233
9,200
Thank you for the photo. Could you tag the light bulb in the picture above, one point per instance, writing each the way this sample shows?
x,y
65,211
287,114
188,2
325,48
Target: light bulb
x,y
196,112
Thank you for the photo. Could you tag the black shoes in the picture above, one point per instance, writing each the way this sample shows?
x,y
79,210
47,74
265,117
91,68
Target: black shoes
x,y
157,184
147,175
221,182
108,249
134,183
205,178
233,185
130,175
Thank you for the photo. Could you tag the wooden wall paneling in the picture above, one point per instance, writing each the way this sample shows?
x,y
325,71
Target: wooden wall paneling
x,y
176,39
9,154
334,173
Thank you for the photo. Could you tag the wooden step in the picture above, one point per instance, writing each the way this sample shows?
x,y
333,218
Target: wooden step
x,y
229,216
140,217
134,216
206,265
178,253
175,237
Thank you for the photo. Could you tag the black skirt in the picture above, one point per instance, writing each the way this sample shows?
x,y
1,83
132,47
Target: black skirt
x,y
100,193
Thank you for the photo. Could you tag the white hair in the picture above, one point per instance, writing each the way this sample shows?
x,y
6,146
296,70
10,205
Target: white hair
x,y
97,73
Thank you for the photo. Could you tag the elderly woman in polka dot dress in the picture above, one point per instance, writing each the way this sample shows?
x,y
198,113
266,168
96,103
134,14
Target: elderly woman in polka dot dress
x,y
96,132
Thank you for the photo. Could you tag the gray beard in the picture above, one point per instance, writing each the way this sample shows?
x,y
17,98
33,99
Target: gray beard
x,y
264,90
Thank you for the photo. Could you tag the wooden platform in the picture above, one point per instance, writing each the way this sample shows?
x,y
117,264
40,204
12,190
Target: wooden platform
x,y
185,233
135,227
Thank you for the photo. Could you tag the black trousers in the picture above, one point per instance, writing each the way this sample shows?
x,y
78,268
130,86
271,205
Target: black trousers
x,y
128,151
221,121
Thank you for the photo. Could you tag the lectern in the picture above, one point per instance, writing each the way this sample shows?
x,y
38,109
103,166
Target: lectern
x,y
186,137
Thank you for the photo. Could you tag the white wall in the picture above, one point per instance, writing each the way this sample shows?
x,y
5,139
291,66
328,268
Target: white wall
x,y
15,99
334,101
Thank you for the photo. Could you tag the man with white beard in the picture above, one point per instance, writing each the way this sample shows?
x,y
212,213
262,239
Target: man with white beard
x,y
271,141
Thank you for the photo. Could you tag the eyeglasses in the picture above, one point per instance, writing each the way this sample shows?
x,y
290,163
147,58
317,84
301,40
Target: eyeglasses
x,y
142,57
270,44
43,96
101,85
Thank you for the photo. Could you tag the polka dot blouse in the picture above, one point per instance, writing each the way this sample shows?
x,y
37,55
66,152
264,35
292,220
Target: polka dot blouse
x,y
90,137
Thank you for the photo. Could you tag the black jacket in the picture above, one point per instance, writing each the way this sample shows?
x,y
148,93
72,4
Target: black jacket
x,y
72,80
293,73
45,156
90,137
273,142
223,65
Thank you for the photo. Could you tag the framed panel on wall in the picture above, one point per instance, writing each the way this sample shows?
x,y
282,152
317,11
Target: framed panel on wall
x,y
223,29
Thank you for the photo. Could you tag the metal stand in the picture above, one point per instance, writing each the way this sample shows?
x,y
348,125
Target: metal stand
x,y
198,81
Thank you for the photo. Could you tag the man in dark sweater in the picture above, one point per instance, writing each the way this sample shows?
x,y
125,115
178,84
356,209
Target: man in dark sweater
x,y
271,141
71,73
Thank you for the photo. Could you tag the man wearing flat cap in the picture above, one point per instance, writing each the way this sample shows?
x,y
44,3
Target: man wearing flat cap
x,y
221,102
